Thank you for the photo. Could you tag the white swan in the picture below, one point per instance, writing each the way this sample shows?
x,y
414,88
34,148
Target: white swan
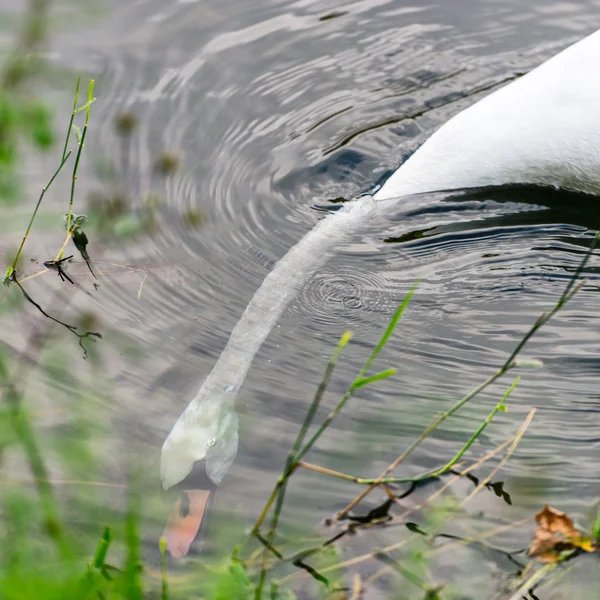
x,y
541,129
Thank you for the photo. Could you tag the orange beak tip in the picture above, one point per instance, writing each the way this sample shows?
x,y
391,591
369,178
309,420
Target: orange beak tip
x,y
183,526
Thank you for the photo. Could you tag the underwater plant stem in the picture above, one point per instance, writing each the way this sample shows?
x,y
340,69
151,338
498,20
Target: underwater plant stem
x,y
26,437
499,407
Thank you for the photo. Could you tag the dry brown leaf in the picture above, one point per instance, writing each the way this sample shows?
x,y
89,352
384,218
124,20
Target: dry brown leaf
x,y
555,534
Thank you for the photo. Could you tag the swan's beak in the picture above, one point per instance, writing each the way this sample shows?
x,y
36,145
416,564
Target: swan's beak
x,y
185,522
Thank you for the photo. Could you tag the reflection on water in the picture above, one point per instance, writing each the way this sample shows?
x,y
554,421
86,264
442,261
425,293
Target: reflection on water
x,y
281,107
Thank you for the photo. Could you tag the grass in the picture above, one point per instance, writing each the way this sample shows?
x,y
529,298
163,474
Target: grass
x,y
45,554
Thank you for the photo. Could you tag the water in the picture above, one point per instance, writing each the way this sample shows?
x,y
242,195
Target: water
x,y
279,108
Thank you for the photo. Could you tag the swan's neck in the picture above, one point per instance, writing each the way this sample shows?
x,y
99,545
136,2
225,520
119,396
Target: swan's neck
x,y
277,290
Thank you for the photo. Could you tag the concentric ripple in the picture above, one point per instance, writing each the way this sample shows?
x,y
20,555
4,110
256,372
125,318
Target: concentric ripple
x,y
344,295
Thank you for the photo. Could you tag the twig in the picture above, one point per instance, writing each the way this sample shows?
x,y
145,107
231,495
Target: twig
x,y
513,447
70,328
356,587
534,580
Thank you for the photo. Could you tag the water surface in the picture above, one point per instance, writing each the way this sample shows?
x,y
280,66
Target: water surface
x,y
278,108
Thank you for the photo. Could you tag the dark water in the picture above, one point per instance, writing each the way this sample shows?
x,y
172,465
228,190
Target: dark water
x,y
278,107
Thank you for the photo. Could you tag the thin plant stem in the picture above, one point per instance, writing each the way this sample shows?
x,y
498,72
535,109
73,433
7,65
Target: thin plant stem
x,y
102,549
269,540
512,442
79,151
359,381
357,560
65,157
164,572
414,445
508,454
499,407
356,587
132,538
70,127
292,465
370,555
539,576
281,483
60,253
428,475
12,268
570,290
402,517
310,415
298,451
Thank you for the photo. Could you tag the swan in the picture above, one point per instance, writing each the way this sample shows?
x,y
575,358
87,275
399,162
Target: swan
x,y
541,129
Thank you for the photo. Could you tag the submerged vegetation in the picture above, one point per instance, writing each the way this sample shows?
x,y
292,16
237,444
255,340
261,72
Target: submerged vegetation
x,y
50,547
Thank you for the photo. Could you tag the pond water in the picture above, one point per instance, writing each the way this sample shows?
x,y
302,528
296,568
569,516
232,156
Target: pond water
x,y
276,108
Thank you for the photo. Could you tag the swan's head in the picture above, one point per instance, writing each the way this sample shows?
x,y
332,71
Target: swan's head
x,y
195,457
206,432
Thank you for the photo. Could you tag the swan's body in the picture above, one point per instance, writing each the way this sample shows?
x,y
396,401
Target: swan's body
x,y
542,129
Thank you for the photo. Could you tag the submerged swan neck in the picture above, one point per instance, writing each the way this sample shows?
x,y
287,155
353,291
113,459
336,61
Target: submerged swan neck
x,y
277,290
207,428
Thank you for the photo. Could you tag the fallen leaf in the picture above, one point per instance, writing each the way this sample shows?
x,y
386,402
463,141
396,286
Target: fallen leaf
x,y
556,533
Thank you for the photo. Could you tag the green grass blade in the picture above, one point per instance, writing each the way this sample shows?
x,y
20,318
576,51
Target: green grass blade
x,y
377,377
